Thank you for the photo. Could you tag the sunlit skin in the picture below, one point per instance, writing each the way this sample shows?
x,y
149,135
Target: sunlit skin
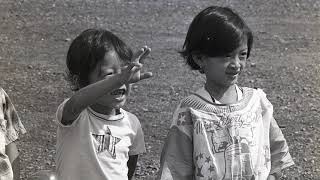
x,y
108,85
110,65
222,73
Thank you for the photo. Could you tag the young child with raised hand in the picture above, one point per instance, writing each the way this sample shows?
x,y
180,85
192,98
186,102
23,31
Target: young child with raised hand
x,y
11,129
223,131
96,138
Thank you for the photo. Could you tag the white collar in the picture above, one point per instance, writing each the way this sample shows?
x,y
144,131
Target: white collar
x,y
107,117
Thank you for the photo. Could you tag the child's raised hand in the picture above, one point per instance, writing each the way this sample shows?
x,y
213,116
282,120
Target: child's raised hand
x,y
133,69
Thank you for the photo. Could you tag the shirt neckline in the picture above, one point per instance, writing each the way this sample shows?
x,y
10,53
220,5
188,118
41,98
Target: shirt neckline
x,y
105,117
239,95
205,102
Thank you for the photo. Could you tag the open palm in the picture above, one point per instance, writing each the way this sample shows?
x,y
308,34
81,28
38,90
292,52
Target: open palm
x,y
132,73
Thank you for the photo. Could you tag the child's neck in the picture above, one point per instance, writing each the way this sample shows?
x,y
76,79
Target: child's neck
x,y
104,110
223,94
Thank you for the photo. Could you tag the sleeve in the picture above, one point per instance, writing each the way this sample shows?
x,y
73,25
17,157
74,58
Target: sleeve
x,y
10,121
176,161
59,115
280,156
138,145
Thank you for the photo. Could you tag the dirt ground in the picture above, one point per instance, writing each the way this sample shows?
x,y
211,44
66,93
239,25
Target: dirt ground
x,y
35,36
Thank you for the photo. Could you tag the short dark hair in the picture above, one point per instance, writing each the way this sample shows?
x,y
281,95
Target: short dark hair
x,y
215,31
87,49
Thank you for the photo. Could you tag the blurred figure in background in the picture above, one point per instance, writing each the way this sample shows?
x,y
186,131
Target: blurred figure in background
x,y
10,130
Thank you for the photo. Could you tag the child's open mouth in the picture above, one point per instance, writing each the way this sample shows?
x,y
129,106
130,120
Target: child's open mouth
x,y
118,92
232,73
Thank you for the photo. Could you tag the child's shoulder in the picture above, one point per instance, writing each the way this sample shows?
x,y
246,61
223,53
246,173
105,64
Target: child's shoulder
x,y
2,91
130,116
131,119
256,90
258,95
195,100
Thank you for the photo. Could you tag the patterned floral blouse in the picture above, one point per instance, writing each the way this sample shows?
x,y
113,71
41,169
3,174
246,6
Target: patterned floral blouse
x,y
10,129
224,142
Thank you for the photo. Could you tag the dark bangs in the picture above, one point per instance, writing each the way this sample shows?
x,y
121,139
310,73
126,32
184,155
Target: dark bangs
x,y
107,41
221,36
88,49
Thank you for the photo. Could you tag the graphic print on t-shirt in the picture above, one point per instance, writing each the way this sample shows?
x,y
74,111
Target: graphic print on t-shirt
x,y
107,142
231,141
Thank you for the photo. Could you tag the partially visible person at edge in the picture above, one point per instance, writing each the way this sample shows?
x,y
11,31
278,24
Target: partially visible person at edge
x,y
223,131
10,130
96,138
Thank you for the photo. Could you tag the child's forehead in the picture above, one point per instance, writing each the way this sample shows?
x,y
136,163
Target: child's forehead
x,y
243,44
242,47
112,58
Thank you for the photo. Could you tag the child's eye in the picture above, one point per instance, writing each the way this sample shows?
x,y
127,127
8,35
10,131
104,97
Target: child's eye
x,y
244,54
107,73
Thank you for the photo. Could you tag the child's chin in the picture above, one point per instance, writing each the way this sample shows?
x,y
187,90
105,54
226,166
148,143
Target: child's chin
x,y
119,104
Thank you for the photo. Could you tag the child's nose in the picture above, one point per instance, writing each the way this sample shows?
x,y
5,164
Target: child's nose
x,y
235,63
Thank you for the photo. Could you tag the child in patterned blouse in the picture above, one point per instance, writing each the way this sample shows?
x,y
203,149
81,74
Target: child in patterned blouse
x,y
222,131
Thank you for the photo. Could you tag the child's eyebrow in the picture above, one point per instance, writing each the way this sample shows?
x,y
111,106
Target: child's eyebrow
x,y
244,49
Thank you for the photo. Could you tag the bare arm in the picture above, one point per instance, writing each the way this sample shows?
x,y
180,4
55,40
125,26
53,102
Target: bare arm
x,y
132,163
275,176
88,95
13,154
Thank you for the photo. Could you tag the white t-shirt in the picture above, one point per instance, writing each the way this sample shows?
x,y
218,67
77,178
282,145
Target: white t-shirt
x,y
96,146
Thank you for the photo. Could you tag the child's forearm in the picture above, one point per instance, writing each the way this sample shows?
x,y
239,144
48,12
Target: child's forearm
x,y
13,155
275,176
87,96
132,163
16,168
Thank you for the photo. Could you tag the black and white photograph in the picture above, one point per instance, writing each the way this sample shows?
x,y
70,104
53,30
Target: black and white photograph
x,y
159,90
